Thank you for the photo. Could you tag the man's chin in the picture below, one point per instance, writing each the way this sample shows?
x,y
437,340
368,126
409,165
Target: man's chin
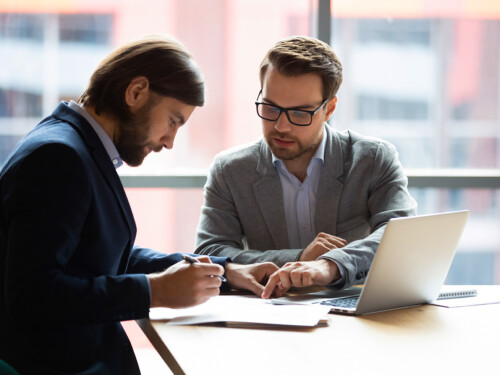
x,y
284,154
134,162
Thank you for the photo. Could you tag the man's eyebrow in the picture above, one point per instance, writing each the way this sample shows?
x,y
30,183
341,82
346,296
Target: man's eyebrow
x,y
180,118
303,106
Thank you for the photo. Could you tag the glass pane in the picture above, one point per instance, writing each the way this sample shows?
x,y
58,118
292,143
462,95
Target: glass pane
x,y
67,39
166,219
423,76
478,255
426,77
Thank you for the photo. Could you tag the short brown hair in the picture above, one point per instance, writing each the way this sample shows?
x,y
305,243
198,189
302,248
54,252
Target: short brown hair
x,y
164,61
301,55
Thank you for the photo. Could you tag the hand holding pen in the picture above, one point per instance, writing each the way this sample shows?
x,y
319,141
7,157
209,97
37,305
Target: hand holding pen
x,y
184,285
192,259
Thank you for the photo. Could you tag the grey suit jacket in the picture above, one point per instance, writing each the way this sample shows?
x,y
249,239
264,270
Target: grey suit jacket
x,y
362,186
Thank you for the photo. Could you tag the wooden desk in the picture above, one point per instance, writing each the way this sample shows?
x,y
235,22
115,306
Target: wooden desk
x,y
424,339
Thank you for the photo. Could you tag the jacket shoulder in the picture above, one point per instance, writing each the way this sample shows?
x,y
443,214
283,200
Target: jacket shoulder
x,y
362,144
352,137
243,155
49,135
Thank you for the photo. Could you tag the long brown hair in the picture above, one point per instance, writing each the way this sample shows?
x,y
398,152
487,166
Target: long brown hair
x,y
164,61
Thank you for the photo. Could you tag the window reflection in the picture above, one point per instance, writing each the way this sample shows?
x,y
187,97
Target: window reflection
x,y
426,81
21,26
411,79
85,28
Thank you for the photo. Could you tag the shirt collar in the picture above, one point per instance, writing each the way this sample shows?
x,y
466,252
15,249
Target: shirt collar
x,y
103,136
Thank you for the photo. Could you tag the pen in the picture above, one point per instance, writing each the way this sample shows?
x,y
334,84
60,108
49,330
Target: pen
x,y
191,259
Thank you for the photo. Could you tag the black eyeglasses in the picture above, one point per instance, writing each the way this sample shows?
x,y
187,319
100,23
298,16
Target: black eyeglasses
x,y
299,117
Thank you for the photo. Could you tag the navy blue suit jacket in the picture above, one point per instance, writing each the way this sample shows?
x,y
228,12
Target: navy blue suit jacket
x,y
69,270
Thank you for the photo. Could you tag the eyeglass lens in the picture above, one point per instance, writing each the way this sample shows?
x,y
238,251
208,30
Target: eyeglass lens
x,y
272,113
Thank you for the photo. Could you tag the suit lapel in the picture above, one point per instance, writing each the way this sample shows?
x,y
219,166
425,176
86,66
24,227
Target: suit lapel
x,y
102,160
269,197
330,185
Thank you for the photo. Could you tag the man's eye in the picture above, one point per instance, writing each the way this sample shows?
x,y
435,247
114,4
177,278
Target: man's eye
x,y
270,109
298,113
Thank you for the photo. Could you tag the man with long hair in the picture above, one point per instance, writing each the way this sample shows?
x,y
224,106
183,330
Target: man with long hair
x,y
69,270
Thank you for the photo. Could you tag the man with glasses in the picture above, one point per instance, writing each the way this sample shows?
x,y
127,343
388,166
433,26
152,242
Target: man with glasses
x,y
311,199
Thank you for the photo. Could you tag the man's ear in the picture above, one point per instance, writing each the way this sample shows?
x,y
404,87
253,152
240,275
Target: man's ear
x,y
137,92
330,108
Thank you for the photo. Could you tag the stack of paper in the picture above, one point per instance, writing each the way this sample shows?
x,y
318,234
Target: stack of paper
x,y
244,311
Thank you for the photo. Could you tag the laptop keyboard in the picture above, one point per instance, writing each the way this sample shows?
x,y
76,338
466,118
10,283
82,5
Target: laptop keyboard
x,y
343,302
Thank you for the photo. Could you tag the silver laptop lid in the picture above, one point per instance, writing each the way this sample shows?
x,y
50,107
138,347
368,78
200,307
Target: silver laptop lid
x,y
412,261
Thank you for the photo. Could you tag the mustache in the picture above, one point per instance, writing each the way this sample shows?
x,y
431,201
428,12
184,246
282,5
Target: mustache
x,y
282,136
154,147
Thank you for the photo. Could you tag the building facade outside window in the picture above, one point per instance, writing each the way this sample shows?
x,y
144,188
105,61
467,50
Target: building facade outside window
x,y
426,77
423,76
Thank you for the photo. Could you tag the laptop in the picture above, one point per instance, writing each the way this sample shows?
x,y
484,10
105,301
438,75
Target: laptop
x,y
409,268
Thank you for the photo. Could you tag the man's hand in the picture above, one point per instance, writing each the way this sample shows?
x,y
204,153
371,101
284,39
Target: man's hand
x,y
185,284
322,244
249,276
301,274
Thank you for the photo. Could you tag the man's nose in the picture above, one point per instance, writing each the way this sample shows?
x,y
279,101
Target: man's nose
x,y
168,139
283,124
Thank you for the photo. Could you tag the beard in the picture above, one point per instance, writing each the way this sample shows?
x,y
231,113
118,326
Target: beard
x,y
288,153
132,143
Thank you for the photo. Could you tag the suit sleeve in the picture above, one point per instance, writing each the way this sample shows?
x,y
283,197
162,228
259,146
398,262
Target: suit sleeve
x,y
144,260
387,197
220,231
46,199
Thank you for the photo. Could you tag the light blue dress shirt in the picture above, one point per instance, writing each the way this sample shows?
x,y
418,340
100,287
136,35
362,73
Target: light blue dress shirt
x,y
106,142
299,199
103,136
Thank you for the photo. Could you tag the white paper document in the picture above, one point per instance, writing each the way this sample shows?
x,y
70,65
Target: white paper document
x,y
244,311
